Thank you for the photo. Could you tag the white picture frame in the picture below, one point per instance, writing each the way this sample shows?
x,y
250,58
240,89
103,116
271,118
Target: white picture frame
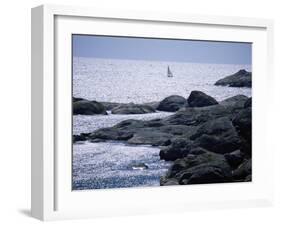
x,y
52,197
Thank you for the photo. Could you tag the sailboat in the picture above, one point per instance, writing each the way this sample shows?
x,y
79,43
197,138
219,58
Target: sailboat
x,y
169,73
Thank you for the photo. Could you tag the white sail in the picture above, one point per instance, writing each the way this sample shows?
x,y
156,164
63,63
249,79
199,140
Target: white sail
x,y
169,73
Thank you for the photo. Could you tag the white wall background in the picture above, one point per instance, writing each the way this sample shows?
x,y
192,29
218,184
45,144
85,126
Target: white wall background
x,y
15,112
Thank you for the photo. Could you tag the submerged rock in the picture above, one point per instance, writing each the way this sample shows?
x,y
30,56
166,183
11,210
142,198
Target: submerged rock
x,y
241,78
132,109
85,107
200,99
172,103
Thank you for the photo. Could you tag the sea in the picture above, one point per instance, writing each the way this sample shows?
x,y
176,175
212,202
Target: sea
x,y
110,165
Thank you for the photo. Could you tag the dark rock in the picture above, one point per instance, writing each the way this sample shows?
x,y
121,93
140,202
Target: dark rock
x,y
74,99
153,104
85,107
197,116
111,134
179,148
172,103
76,138
218,135
243,124
169,182
243,171
238,101
157,135
154,138
248,178
197,169
97,140
197,151
110,105
132,109
234,158
200,99
248,103
202,128
204,175
241,78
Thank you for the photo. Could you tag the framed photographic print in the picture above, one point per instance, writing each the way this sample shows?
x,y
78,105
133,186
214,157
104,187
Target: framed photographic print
x,y
137,112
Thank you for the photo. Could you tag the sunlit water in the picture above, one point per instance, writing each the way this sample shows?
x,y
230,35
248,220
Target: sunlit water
x,y
109,164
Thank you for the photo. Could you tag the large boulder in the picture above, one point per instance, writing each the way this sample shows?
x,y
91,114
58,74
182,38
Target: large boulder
x,y
179,148
242,78
85,107
200,99
172,103
199,169
132,109
217,135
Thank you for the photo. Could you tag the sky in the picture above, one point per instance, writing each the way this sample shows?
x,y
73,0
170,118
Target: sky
x,y
161,49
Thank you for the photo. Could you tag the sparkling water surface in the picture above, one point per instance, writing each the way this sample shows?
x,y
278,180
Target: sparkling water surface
x,y
109,164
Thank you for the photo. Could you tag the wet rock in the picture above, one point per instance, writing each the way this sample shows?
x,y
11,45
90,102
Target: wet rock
x,y
132,109
241,78
85,107
172,103
200,99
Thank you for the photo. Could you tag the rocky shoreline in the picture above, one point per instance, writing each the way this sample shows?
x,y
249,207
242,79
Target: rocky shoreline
x,y
207,141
